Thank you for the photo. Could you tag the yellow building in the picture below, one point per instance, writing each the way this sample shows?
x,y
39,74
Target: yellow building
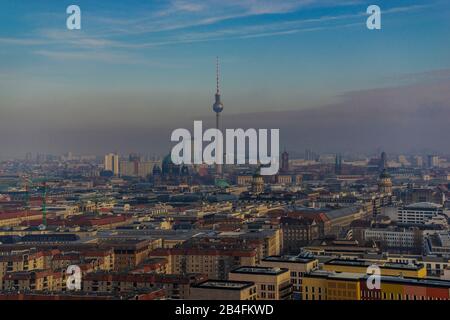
x,y
128,253
271,283
244,180
38,280
26,260
328,285
215,263
324,285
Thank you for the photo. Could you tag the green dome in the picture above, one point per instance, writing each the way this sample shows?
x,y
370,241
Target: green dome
x,y
167,160
384,174
221,183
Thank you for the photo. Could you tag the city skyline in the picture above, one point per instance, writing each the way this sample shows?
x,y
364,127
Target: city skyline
x,y
133,74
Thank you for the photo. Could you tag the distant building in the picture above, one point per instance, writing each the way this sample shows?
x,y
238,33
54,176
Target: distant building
x,y
112,163
385,183
338,165
215,262
298,232
396,239
418,161
284,162
433,161
257,183
419,213
135,168
383,162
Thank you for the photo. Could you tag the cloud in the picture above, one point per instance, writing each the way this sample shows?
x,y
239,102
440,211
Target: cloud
x,y
182,16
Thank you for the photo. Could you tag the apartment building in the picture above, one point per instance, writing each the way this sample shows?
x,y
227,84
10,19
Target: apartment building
x,y
329,285
271,283
214,261
297,265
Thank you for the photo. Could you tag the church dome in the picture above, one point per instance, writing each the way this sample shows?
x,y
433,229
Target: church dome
x,y
384,174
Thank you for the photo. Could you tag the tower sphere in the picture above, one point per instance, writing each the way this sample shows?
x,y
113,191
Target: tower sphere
x,y
217,106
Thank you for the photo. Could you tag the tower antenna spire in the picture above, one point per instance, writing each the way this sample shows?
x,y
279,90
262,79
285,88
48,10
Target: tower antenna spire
x,y
217,74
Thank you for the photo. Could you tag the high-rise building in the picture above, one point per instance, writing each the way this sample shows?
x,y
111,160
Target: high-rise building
x,y
383,161
310,155
29,157
218,108
135,168
284,162
338,164
112,163
418,161
433,161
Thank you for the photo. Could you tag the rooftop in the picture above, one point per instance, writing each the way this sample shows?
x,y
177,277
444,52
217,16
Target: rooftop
x,y
260,270
289,259
364,263
224,284
423,205
384,279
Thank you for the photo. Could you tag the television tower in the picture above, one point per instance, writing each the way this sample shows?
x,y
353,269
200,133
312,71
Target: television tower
x,y
218,107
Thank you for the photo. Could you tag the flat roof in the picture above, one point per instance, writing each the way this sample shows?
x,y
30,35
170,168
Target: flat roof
x,y
423,205
289,259
224,284
384,279
364,263
260,270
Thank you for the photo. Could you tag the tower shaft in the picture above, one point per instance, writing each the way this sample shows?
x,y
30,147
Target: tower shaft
x,y
219,170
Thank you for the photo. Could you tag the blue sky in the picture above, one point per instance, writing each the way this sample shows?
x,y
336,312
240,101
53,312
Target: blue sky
x,y
148,63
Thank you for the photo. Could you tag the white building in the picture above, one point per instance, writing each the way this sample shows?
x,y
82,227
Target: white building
x,y
419,213
395,238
